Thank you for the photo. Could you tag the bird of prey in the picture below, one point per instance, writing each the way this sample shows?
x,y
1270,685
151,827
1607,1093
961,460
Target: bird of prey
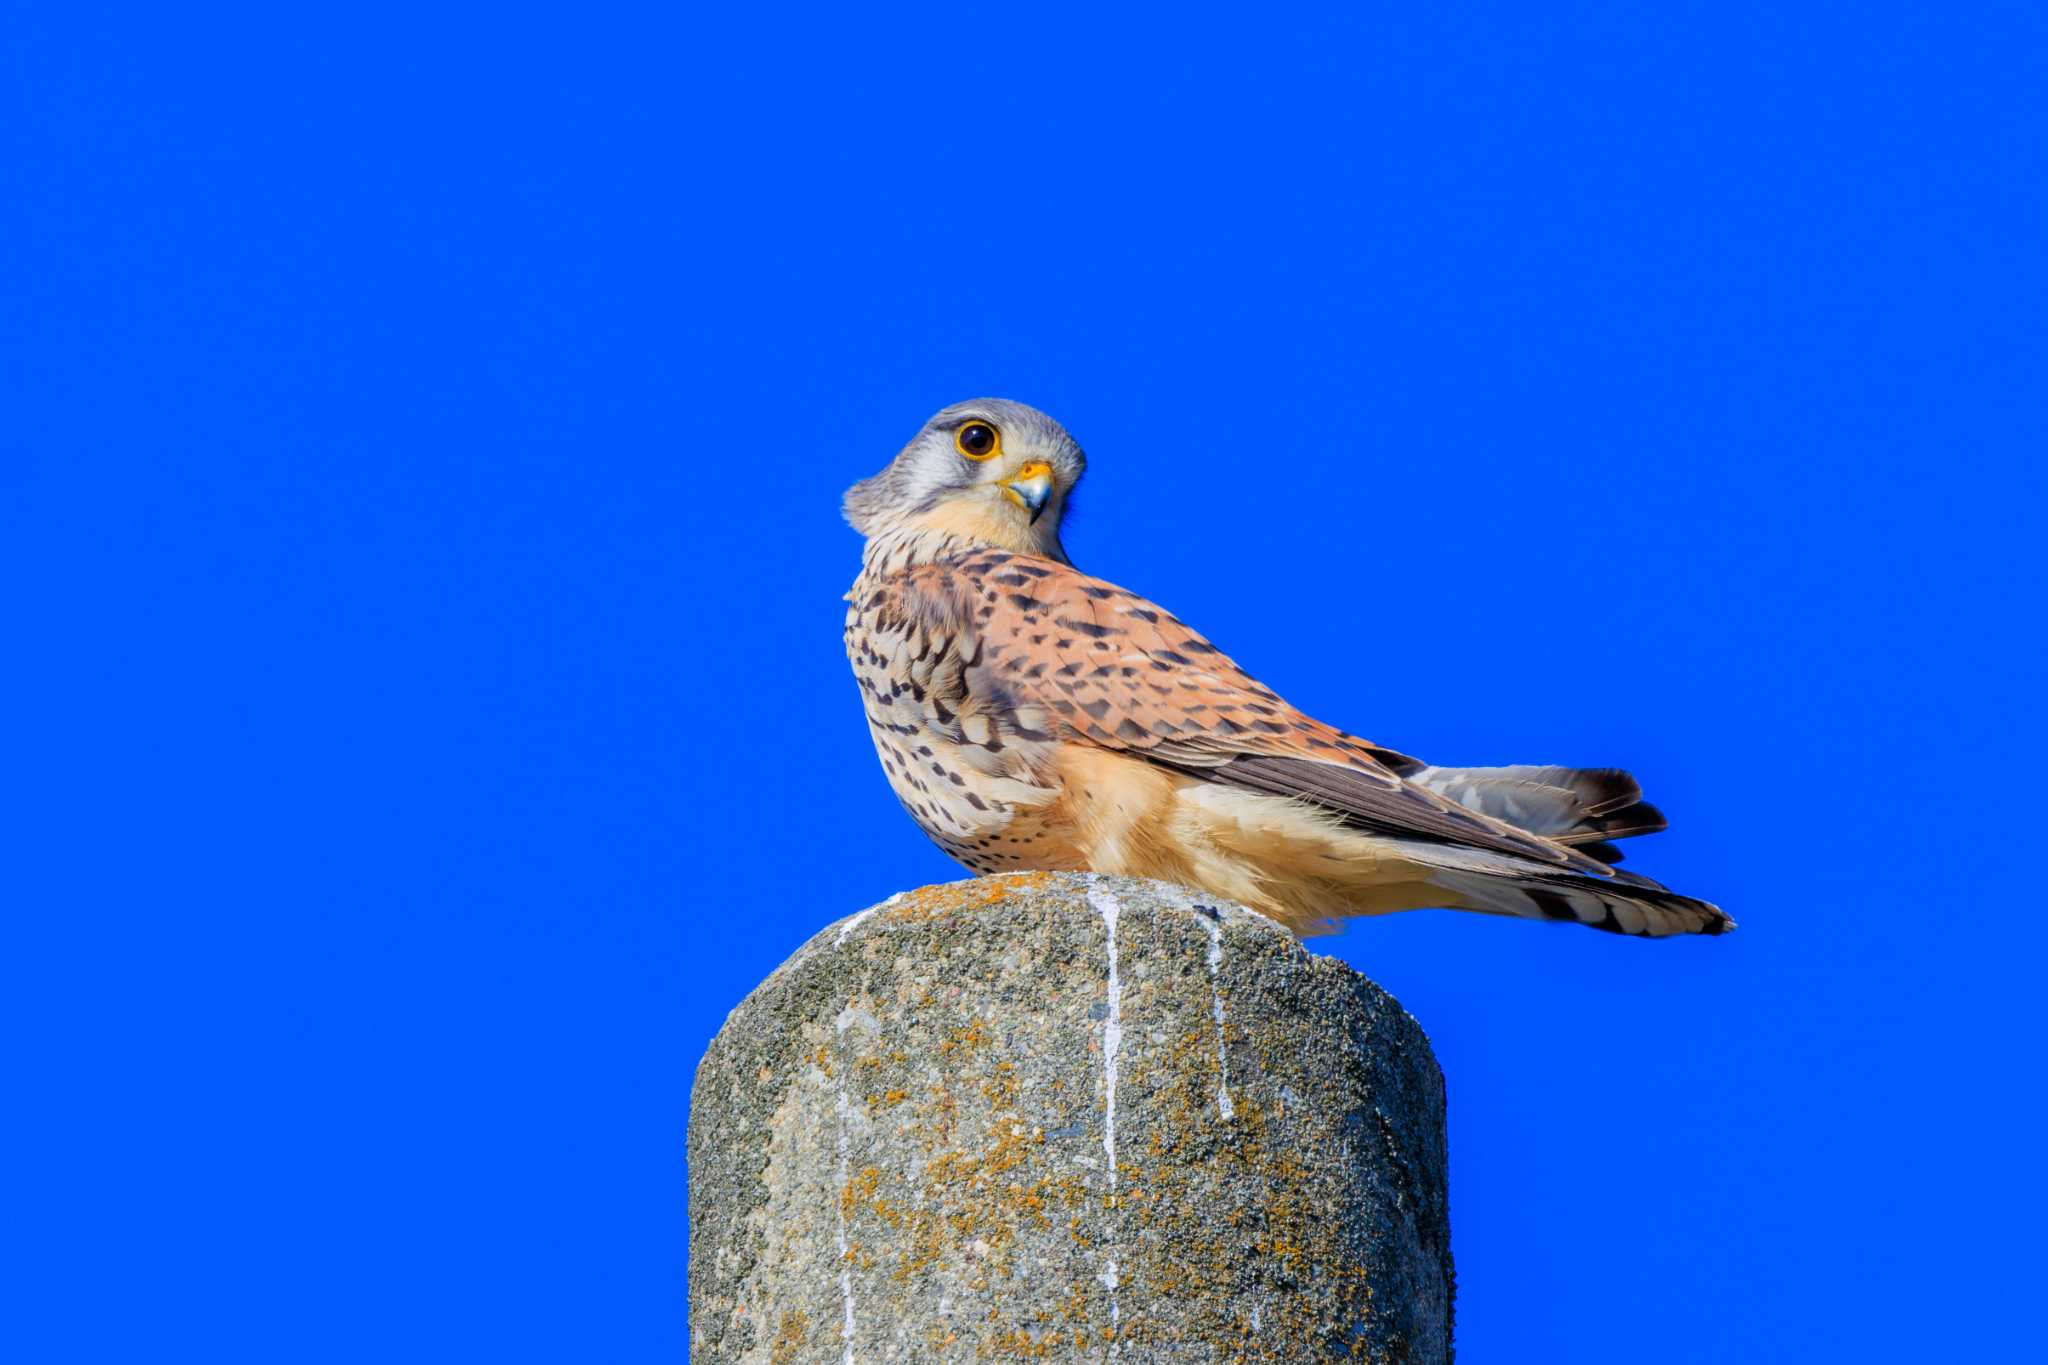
x,y
1032,717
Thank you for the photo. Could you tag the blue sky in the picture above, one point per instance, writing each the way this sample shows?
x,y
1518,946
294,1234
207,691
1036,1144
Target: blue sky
x,y
425,437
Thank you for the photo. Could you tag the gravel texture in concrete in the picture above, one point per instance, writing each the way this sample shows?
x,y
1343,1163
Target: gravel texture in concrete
x,y
1065,1117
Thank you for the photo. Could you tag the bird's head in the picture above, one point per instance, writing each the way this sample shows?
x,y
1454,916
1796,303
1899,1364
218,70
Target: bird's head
x,y
991,470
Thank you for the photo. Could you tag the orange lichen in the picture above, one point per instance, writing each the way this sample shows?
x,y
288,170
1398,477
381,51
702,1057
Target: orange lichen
x,y
789,1338
975,1038
936,902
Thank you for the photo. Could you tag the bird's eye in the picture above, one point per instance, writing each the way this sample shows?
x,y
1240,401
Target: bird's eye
x,y
978,441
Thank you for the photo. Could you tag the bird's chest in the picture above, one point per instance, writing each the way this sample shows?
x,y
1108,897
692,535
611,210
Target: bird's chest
x,y
949,750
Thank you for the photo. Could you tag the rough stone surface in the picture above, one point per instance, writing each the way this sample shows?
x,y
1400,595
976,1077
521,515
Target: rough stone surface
x,y
1052,1116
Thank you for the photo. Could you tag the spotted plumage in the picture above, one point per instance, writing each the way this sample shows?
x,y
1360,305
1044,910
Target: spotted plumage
x,y
1030,716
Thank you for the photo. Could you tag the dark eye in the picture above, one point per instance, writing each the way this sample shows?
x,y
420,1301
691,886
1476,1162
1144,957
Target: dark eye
x,y
977,440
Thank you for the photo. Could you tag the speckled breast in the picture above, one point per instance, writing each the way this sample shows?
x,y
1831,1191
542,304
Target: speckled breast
x,y
942,748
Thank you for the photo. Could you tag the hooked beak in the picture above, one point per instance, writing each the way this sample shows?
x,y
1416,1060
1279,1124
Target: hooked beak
x,y
1030,487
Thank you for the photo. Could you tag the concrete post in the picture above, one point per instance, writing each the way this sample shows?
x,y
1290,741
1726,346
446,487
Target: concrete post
x,y
1053,1116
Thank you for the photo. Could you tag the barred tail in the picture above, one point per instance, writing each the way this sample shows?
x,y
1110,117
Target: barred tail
x,y
1500,884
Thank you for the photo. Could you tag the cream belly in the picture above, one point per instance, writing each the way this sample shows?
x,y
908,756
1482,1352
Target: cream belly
x,y
979,821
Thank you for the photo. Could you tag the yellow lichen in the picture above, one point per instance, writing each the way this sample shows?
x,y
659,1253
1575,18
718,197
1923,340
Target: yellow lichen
x,y
937,902
789,1338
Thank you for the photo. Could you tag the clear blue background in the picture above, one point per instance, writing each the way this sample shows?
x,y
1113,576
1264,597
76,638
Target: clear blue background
x,y
423,438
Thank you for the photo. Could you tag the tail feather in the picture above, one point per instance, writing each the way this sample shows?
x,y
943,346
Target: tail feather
x,y
1306,868
1499,884
1568,805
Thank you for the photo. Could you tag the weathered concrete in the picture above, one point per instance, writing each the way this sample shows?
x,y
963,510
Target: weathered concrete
x,y
1050,1116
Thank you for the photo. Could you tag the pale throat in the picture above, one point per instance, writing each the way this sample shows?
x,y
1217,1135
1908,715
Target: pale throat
x,y
987,521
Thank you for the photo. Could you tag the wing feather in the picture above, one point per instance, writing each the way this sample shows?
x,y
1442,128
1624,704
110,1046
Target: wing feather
x,y
1110,668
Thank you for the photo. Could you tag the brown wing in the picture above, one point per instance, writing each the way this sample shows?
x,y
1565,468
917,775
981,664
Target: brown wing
x,y
1104,666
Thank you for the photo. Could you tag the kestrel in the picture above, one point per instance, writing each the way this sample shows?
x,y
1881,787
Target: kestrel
x,y
1031,717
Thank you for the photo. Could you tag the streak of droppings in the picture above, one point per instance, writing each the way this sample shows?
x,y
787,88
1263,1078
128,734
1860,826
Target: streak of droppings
x,y
855,922
1105,903
842,1108
1211,921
